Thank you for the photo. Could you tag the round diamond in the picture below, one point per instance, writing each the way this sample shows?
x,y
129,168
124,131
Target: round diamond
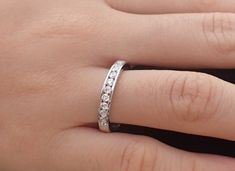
x,y
119,62
110,82
105,97
108,89
103,113
104,122
116,67
112,75
104,105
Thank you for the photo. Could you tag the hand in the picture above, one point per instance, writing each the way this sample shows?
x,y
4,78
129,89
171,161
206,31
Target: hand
x,y
54,58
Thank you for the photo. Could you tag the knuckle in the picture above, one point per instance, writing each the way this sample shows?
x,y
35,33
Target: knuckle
x,y
26,85
192,97
62,23
40,82
218,30
139,156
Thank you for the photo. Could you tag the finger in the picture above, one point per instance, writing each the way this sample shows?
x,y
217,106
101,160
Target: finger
x,y
86,149
187,102
183,40
172,6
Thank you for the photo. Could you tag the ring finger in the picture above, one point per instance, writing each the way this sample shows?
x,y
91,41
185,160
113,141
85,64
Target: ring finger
x,y
188,102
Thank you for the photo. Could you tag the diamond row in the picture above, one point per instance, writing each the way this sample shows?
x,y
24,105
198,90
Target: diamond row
x,y
106,94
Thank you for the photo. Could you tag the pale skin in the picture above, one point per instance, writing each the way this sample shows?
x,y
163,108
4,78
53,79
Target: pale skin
x,y
54,56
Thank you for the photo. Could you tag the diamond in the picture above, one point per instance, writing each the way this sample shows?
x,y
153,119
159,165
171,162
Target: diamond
x,y
110,82
116,67
112,75
103,114
119,62
104,122
104,105
108,89
105,97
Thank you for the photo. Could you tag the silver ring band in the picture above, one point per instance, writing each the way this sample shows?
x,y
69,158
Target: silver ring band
x,y
107,94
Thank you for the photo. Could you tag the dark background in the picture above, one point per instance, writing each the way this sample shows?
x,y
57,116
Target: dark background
x,y
183,141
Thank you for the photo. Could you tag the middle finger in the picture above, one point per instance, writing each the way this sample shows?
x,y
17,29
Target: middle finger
x,y
172,6
173,40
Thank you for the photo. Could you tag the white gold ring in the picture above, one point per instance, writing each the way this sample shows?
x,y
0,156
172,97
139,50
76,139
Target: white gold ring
x,y
107,94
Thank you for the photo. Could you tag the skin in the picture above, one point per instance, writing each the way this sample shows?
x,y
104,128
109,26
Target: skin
x,y
54,56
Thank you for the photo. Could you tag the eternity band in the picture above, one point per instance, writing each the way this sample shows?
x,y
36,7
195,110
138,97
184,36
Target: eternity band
x,y
107,94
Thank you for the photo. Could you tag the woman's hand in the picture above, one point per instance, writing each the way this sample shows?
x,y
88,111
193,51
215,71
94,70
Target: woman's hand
x,y
54,57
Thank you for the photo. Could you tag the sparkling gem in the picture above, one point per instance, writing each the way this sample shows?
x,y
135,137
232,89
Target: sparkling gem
x,y
120,62
103,114
112,75
110,82
105,97
104,122
108,89
104,105
116,67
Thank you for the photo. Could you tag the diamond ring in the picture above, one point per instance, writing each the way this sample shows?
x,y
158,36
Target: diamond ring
x,y
107,94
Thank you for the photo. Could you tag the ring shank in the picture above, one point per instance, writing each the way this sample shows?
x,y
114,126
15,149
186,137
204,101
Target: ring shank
x,y
107,95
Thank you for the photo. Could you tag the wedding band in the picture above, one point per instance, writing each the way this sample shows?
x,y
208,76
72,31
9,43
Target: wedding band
x,y
107,94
